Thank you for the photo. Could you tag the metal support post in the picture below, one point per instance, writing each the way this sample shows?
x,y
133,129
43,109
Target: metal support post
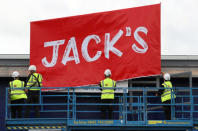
x,y
124,106
6,104
68,97
191,104
145,104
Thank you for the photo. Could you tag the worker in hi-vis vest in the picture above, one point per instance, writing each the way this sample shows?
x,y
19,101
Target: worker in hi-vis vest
x,y
34,82
17,95
166,94
107,95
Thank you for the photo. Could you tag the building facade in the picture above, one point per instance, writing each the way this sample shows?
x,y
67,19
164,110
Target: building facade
x,y
183,70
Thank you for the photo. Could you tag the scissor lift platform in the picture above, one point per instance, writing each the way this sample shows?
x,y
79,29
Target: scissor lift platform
x,y
141,105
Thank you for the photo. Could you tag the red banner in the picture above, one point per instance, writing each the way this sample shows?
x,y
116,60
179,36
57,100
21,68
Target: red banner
x,y
75,51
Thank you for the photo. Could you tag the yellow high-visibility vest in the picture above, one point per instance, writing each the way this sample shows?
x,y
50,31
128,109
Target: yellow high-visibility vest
x,y
15,93
167,92
34,81
107,93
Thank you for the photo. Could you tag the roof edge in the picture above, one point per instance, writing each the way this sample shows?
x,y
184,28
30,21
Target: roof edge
x,y
163,57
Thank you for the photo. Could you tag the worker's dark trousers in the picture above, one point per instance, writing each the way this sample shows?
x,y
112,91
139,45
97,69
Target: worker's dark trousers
x,y
16,111
167,109
107,110
33,98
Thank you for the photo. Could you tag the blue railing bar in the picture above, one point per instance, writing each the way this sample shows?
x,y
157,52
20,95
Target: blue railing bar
x,y
175,111
74,88
123,107
138,110
95,111
63,104
6,104
93,96
123,88
191,102
134,96
154,96
21,119
95,104
178,96
53,95
120,109
74,107
169,104
125,94
132,88
145,106
182,108
183,111
131,104
50,110
155,111
159,96
68,104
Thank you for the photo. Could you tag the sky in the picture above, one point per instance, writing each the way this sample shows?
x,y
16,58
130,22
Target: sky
x,y
179,21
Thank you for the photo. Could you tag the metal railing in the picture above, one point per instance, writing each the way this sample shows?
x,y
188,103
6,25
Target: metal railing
x,y
66,106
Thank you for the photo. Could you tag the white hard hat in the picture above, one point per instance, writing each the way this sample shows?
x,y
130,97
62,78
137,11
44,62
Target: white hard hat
x,y
166,76
107,72
32,68
15,74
